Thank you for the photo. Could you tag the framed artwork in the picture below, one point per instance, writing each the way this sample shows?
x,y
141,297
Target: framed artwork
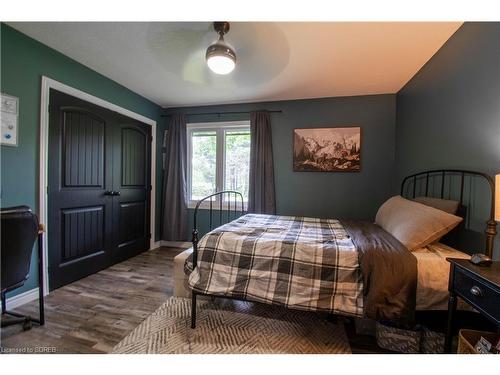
x,y
9,120
327,149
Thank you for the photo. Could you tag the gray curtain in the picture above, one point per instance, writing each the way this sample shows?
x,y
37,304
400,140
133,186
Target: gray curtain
x,y
174,211
261,197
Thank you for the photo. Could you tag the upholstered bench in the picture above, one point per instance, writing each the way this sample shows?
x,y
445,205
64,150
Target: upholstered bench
x,y
181,288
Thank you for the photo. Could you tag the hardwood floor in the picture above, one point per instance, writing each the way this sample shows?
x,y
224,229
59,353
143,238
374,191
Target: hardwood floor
x,y
95,313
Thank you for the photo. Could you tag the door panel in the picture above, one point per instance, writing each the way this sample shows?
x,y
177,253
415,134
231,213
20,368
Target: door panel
x,y
132,160
133,157
92,152
132,223
82,233
82,149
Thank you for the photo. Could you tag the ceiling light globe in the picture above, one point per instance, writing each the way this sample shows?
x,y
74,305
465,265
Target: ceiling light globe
x,y
221,58
220,64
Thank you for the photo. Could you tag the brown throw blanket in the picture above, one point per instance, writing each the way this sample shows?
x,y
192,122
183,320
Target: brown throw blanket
x,y
389,273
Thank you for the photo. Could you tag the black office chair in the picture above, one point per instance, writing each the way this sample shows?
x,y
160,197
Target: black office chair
x,y
19,230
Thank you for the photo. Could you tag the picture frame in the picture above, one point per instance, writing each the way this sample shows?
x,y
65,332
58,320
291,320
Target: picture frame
x,y
9,117
332,149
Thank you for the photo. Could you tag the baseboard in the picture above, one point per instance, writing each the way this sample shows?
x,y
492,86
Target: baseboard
x,y
156,245
22,298
181,244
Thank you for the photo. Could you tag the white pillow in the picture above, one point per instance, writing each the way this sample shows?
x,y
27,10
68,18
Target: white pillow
x,y
445,205
415,225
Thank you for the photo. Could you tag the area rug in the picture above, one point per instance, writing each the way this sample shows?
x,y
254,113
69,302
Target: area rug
x,y
234,327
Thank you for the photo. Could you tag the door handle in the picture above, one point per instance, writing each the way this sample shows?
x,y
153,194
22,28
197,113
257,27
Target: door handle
x,y
112,193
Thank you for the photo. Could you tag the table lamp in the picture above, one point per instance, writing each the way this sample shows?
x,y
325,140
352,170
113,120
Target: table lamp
x,y
491,229
497,197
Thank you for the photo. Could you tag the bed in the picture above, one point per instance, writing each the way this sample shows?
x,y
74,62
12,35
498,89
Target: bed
x,y
433,272
345,267
432,280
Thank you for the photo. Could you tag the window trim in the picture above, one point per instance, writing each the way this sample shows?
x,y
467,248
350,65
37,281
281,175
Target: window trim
x,y
219,127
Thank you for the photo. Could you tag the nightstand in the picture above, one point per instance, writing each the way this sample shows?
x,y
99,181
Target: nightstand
x,y
478,286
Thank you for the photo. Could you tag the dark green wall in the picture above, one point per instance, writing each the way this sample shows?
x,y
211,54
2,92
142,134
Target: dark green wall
x,y
346,195
448,115
23,62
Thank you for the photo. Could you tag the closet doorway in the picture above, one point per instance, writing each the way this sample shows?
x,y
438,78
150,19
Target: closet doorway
x,y
99,188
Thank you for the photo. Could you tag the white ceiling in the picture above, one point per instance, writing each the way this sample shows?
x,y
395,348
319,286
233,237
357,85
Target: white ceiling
x,y
164,61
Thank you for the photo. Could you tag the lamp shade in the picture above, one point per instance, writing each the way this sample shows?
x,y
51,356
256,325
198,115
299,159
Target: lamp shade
x,y
497,197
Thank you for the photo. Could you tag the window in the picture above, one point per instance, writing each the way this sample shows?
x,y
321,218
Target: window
x,y
218,159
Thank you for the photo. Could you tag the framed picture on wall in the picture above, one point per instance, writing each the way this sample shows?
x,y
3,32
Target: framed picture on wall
x,y
9,120
327,149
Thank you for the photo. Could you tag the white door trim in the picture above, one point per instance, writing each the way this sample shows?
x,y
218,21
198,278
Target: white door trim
x,y
47,84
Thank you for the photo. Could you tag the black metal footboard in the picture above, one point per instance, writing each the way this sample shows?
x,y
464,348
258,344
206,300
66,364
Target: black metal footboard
x,y
230,205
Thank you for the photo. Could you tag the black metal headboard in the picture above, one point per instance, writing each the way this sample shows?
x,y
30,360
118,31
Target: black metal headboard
x,y
451,184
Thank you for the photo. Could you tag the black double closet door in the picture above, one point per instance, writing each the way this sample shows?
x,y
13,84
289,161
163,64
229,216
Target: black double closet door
x,y
99,188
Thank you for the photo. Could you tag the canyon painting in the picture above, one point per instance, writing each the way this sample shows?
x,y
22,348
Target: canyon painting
x,y
327,149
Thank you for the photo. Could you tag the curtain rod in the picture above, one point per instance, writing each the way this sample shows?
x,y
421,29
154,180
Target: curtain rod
x,y
220,113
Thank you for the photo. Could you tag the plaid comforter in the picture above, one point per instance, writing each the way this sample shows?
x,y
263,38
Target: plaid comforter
x,y
299,262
